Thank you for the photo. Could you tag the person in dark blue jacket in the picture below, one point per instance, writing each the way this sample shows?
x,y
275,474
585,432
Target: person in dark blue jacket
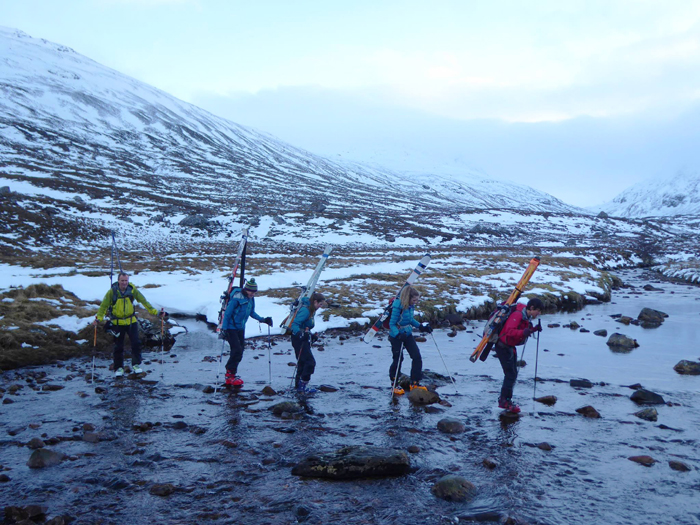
x,y
240,307
401,325
302,339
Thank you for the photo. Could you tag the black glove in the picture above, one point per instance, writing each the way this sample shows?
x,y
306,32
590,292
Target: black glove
x,y
425,328
537,328
267,321
527,332
314,338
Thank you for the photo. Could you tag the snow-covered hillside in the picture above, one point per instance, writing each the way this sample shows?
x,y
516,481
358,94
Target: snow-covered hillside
x,y
677,194
72,128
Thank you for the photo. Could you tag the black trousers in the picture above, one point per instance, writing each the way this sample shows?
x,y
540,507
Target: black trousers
x,y
133,331
306,364
408,342
508,356
236,340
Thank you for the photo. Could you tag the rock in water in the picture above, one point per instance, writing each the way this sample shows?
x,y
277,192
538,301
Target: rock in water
x,y
451,426
647,461
621,343
648,414
685,367
453,488
649,318
44,457
547,400
646,397
355,462
588,411
422,397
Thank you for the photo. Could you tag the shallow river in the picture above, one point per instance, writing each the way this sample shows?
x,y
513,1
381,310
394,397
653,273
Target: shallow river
x,y
231,460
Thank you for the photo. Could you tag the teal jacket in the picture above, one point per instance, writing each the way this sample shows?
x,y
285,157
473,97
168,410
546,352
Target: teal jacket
x,y
238,310
303,319
401,320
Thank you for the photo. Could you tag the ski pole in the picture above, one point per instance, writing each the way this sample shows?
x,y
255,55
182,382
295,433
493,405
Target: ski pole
x,y
269,354
443,362
162,361
94,349
218,367
397,372
537,356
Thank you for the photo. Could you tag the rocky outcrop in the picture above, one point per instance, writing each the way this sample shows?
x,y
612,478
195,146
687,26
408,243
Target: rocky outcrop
x,y
355,462
685,367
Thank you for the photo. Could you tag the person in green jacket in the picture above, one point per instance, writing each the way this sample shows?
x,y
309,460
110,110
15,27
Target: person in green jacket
x,y
118,303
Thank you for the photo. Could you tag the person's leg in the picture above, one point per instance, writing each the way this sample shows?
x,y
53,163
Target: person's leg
x,y
234,341
396,358
416,359
119,347
297,342
307,363
507,357
133,330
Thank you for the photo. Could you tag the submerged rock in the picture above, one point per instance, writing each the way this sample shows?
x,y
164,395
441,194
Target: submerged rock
x,y
601,333
451,426
162,489
422,397
286,406
44,457
685,367
453,488
547,400
679,466
588,411
581,383
647,461
648,414
355,462
647,397
649,318
621,343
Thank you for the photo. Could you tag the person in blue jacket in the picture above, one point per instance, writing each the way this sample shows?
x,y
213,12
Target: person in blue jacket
x,y
401,325
240,307
302,339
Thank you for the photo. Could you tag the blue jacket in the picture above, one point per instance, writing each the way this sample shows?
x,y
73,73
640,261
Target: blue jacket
x,y
238,310
303,319
401,321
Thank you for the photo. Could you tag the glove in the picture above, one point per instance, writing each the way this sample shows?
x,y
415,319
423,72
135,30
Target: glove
x,y
267,321
425,328
527,332
164,313
314,338
537,328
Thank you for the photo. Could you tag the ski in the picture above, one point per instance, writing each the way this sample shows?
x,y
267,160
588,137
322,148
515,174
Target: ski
x,y
239,261
387,311
307,290
500,316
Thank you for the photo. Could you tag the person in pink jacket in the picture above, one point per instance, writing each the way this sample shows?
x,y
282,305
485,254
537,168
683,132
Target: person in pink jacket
x,y
515,332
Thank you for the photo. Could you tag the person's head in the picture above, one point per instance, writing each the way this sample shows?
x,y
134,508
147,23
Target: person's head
x,y
250,288
534,307
123,281
316,301
409,297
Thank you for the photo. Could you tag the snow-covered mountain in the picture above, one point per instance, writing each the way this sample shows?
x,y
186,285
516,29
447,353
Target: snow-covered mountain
x,y
70,127
677,194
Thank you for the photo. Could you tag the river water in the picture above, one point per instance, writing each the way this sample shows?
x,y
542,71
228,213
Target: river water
x,y
231,460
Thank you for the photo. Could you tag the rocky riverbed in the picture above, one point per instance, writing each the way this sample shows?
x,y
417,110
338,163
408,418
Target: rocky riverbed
x,y
168,447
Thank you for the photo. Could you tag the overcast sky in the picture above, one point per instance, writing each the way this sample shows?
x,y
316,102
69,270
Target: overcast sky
x,y
577,98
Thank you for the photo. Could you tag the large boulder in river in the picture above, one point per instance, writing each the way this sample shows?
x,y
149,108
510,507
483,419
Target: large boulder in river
x,y
355,462
43,457
685,367
453,488
647,397
621,343
420,396
649,318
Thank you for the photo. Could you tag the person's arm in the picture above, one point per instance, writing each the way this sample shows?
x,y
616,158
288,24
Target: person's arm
x,y
141,299
254,315
104,305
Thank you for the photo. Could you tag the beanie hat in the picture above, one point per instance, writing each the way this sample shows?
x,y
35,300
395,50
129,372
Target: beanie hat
x,y
251,285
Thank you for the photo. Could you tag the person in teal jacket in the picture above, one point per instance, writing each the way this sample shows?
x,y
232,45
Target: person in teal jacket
x,y
240,307
302,339
401,325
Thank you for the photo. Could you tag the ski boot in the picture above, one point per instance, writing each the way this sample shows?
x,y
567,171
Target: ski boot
x,y
303,388
418,386
508,406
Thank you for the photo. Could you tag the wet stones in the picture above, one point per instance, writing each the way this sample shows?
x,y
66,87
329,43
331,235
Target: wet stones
x,y
580,383
685,367
43,457
621,343
30,513
269,391
355,462
286,407
51,388
679,466
647,397
327,388
451,426
647,461
601,333
588,411
453,488
649,318
162,489
547,400
36,443
490,463
419,396
647,414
